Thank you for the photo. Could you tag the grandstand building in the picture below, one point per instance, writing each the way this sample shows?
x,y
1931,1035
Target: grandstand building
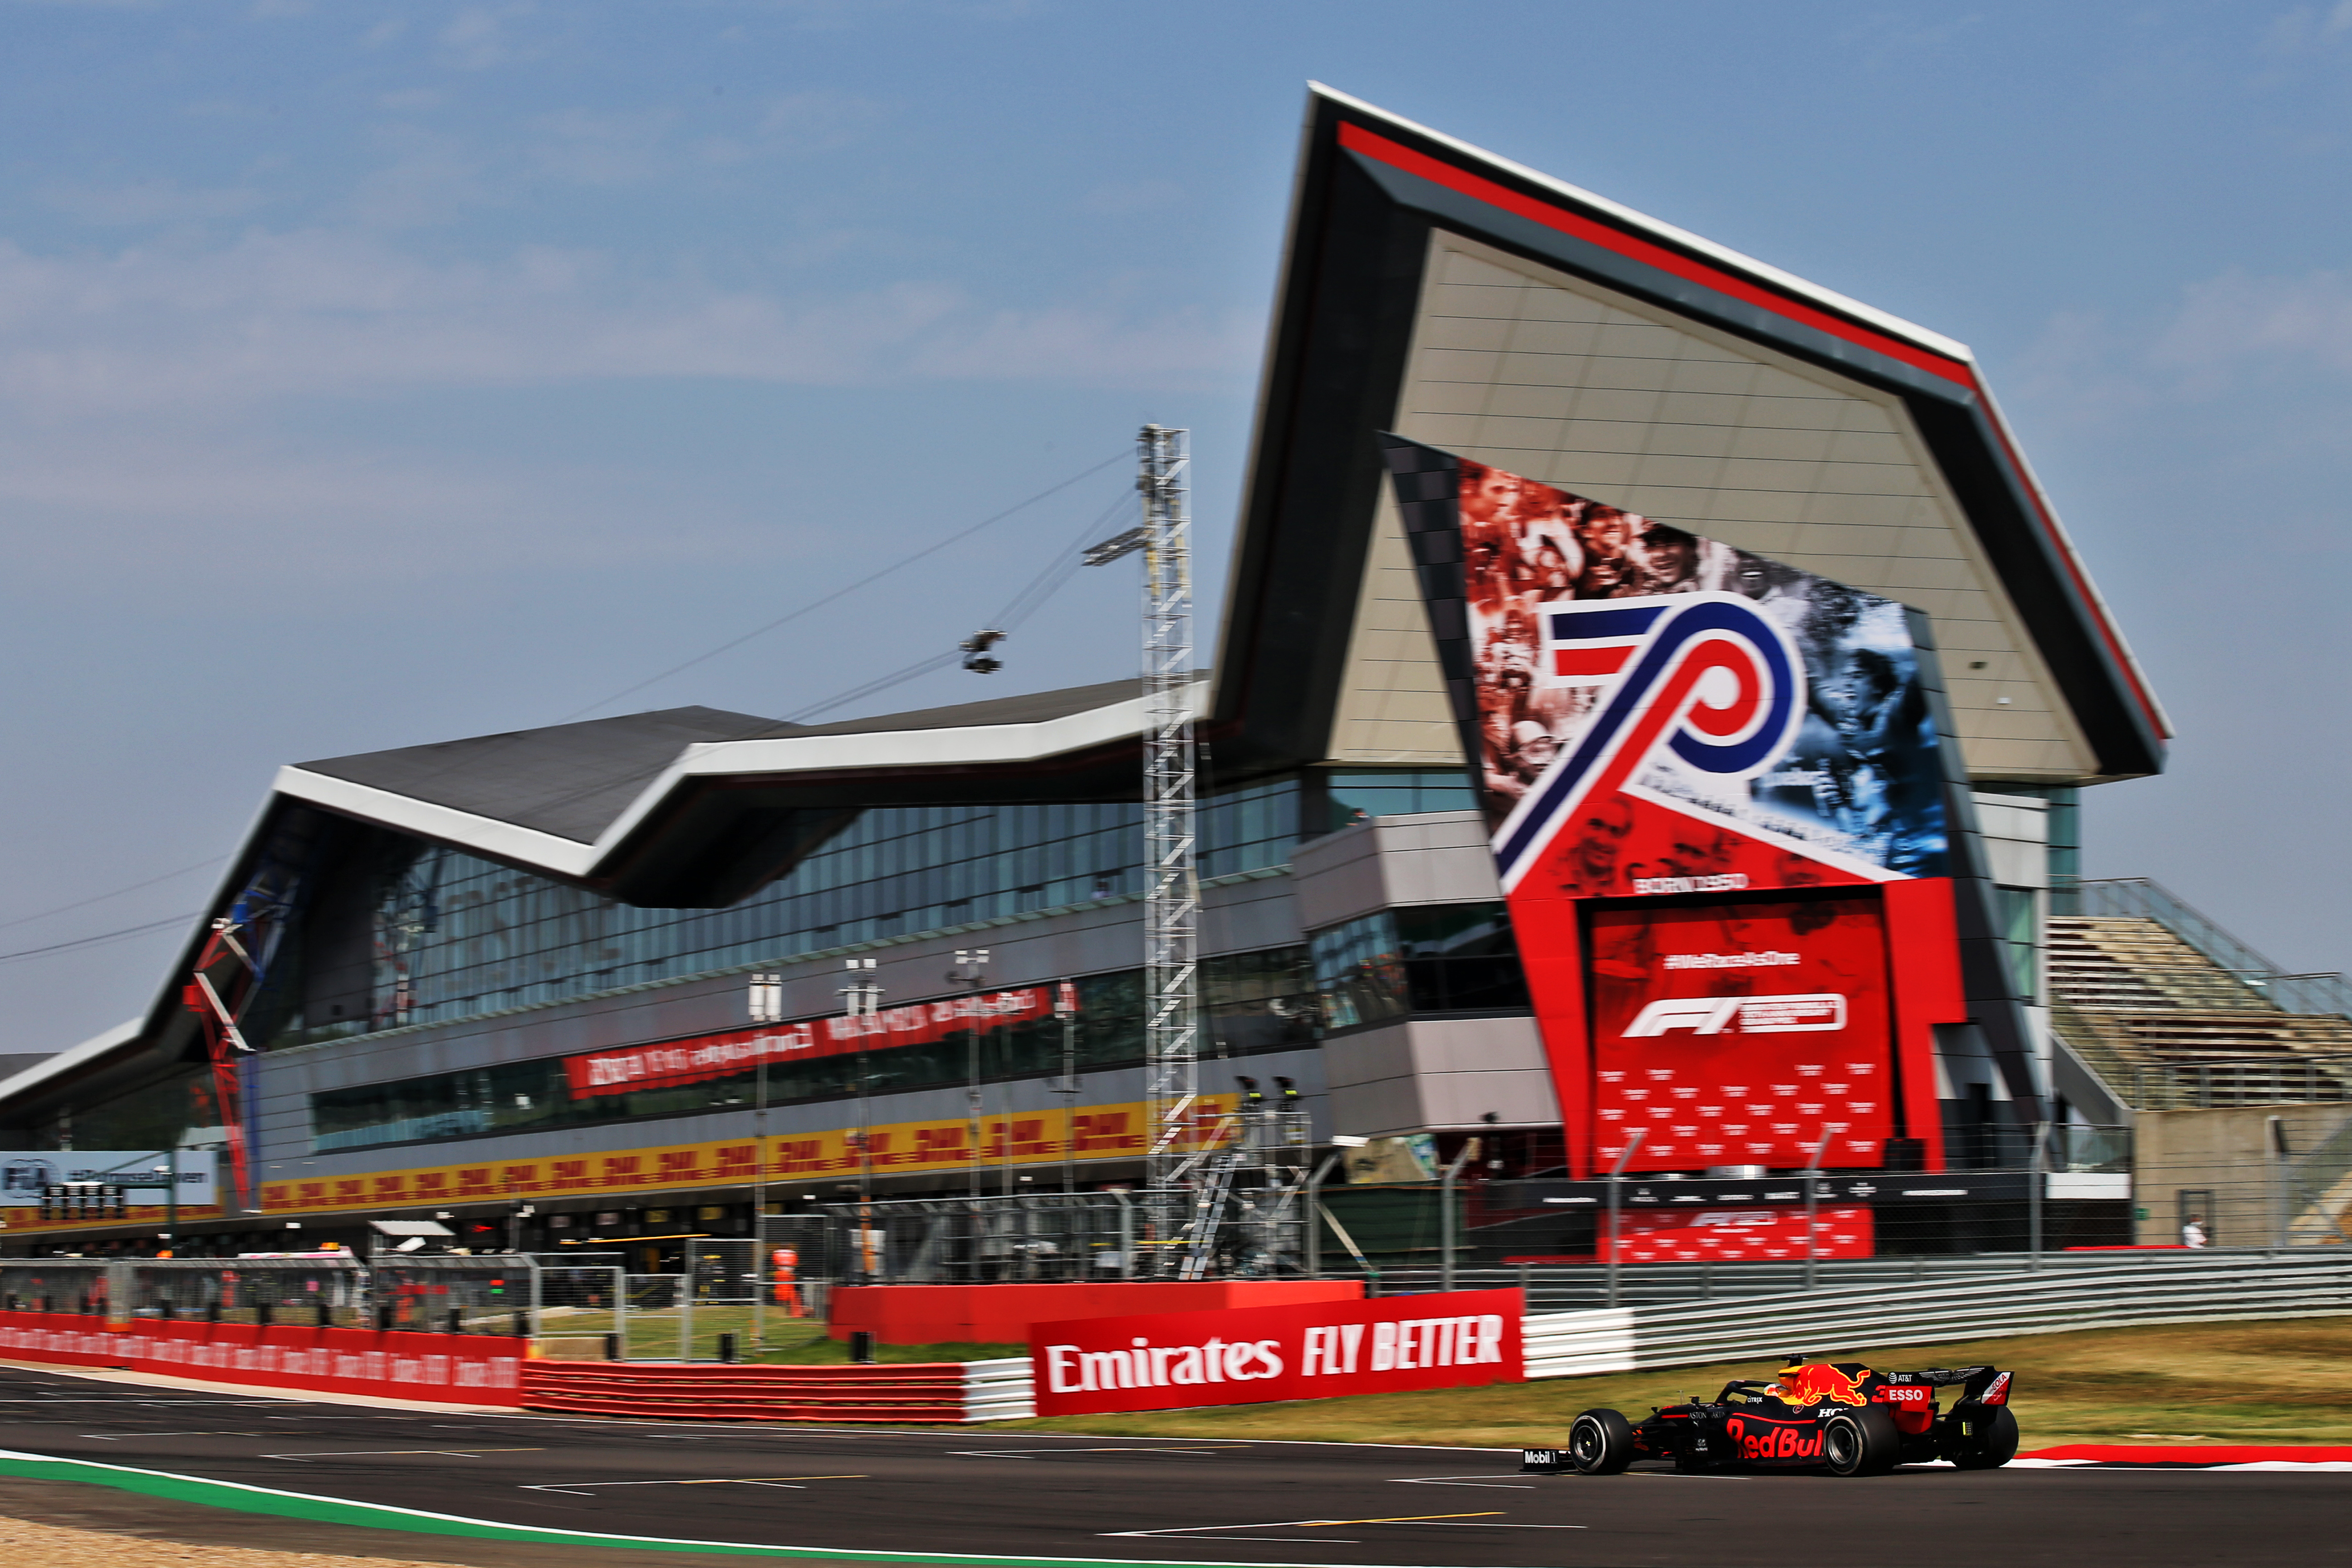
x,y
503,979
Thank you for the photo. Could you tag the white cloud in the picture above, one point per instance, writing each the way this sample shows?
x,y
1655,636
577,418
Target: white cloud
x,y
477,39
322,313
2238,319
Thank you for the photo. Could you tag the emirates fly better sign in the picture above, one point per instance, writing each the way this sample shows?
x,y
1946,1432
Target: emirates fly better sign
x,y
1246,1356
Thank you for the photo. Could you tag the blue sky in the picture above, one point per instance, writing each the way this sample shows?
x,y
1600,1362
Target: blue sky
x,y
378,373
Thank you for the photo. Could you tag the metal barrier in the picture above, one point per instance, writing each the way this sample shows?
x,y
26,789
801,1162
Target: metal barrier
x,y
2174,1289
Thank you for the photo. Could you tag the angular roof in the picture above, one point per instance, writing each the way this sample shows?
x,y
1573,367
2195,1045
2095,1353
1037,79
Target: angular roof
x,y
567,780
1456,298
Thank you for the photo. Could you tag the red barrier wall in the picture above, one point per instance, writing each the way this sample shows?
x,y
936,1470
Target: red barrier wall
x,y
1001,1314
456,1369
1250,1356
923,1391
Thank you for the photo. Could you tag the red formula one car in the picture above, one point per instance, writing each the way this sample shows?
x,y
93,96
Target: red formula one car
x,y
1839,1416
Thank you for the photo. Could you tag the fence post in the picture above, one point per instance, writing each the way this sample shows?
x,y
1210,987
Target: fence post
x,y
1812,1209
686,1313
2034,1182
621,1314
1615,1171
1445,1214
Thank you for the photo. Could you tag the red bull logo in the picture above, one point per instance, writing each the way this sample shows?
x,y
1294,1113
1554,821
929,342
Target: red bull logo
x,y
1773,1440
1817,1383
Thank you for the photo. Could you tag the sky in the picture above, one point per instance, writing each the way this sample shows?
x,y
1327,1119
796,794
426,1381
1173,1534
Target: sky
x,y
380,374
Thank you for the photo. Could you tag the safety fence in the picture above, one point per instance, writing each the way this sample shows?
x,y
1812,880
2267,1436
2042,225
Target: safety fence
x,y
2168,1289
499,1294
922,1391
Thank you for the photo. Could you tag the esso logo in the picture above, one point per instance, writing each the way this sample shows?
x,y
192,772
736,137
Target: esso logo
x,y
1907,1395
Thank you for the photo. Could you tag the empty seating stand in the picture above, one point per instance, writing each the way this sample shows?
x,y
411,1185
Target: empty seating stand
x,y
919,1391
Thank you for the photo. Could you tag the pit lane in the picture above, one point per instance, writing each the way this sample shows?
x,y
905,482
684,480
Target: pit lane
x,y
969,1493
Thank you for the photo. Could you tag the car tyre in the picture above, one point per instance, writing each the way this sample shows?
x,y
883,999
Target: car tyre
x,y
1865,1442
1988,1440
1601,1443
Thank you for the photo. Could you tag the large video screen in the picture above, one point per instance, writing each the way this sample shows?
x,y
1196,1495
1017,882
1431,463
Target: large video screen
x,y
1658,712
1741,1033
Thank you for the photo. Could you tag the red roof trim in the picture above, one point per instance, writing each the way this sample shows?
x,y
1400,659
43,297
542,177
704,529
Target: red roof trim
x,y
1355,139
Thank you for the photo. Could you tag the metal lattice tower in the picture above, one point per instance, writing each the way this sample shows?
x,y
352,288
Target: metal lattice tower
x,y
1172,916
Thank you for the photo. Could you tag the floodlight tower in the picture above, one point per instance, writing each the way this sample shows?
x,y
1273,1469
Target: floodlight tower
x,y
1171,914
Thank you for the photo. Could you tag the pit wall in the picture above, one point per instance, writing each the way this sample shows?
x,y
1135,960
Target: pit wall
x,y
457,1369
1001,1314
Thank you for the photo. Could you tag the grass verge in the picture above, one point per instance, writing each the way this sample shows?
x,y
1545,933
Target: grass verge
x,y
2272,1382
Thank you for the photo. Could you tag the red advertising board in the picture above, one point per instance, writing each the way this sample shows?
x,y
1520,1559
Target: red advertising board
x,y
1742,1034
674,1062
1650,714
1172,1361
461,1369
1762,1234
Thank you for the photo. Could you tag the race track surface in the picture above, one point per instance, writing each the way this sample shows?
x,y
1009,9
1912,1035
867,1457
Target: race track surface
x,y
972,1494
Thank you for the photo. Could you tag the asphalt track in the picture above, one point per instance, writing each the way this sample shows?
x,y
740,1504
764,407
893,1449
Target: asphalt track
x,y
525,1491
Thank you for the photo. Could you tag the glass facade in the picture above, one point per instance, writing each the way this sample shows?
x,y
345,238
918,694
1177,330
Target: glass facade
x,y
2018,911
1435,960
456,935
1354,795
1254,1001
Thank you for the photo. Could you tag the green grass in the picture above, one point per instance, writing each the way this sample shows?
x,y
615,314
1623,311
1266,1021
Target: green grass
x,y
2278,1382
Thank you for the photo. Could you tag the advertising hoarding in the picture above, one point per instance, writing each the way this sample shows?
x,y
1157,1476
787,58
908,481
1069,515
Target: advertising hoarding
x,y
144,1171
1771,1232
673,1062
1653,715
1657,712
1246,1356
1741,1034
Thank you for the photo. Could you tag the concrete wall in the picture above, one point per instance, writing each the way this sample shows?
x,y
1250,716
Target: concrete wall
x,y
2229,1153
1439,1073
1436,858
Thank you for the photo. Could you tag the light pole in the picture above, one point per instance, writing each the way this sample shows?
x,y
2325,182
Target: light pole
x,y
767,1006
969,970
861,1000
1065,1008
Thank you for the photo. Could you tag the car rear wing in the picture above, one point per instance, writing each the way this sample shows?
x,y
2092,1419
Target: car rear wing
x,y
1979,1384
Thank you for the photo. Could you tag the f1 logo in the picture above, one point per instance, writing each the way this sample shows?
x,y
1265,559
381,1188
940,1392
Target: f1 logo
x,y
1741,1014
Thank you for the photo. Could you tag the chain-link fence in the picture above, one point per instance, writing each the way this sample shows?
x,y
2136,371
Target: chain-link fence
x,y
53,1285
583,1306
458,1295
1042,1238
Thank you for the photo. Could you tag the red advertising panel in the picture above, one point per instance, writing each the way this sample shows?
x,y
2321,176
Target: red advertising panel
x,y
1765,1234
1248,1355
675,1062
1741,1034
1649,714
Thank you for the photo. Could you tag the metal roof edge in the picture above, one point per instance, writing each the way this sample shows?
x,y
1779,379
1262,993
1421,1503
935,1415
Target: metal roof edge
x,y
73,1056
1657,228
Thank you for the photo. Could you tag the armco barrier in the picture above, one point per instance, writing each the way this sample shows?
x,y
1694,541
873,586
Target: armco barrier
x,y
917,1391
2180,1289
460,1369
